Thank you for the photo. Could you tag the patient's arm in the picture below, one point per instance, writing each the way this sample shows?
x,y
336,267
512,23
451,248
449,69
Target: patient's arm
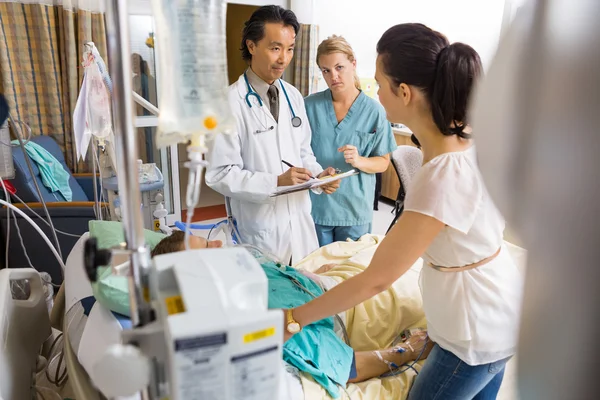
x,y
372,364
315,275
310,275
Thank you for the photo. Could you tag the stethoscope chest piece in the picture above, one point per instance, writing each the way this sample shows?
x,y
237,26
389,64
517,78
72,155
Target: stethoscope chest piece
x,y
296,120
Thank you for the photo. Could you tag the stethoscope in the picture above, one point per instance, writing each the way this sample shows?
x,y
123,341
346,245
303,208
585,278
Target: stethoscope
x,y
296,121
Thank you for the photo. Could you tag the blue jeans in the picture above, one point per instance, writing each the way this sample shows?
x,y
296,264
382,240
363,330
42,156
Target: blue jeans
x,y
329,234
446,377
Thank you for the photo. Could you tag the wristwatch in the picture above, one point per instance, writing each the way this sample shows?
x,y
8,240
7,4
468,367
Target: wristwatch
x,y
293,326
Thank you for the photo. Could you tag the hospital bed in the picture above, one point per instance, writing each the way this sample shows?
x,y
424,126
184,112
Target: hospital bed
x,y
91,328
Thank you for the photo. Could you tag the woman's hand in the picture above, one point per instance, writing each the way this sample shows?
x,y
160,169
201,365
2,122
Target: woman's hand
x,y
370,165
351,155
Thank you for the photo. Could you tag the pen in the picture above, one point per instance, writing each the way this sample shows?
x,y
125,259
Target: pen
x,y
291,166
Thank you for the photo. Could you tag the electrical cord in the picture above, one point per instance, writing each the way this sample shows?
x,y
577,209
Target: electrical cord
x,y
23,244
106,209
58,381
42,234
39,393
8,214
211,230
97,198
37,188
97,211
42,218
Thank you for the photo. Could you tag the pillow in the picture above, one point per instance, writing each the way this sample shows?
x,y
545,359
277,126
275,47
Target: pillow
x,y
111,233
109,290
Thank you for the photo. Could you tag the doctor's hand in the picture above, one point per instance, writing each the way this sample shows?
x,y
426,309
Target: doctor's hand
x,y
293,176
351,155
333,186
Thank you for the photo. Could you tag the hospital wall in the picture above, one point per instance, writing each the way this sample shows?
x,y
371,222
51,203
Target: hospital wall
x,y
475,22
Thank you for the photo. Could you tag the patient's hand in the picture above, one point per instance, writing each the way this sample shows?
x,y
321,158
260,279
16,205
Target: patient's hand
x,y
310,275
324,268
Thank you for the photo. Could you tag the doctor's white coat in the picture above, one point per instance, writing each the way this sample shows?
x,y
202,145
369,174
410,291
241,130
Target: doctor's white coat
x,y
244,166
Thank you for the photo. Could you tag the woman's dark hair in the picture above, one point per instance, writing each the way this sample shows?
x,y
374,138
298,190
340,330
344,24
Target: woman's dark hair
x,y
416,55
254,28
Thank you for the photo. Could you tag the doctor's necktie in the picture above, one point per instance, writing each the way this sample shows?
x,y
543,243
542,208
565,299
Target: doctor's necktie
x,y
273,94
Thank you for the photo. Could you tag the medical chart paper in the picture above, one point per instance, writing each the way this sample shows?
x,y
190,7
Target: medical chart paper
x,y
312,183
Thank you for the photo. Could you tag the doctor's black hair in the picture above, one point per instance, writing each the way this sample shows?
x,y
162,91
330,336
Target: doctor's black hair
x,y
416,55
254,28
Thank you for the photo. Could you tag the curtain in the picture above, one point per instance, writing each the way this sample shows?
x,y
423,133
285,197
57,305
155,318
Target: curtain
x,y
305,59
41,45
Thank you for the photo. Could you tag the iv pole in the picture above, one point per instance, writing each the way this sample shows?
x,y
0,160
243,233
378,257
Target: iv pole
x,y
117,32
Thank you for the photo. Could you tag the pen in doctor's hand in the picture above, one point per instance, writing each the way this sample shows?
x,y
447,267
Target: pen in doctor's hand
x,y
291,166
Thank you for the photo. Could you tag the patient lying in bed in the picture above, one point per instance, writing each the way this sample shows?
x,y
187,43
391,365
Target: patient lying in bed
x,y
317,350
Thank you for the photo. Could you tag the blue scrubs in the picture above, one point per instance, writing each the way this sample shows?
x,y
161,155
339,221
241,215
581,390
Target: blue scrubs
x,y
347,213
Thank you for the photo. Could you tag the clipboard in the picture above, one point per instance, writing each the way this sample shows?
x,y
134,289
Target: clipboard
x,y
312,184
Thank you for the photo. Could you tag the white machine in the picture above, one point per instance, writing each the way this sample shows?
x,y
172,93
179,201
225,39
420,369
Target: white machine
x,y
152,193
26,325
213,336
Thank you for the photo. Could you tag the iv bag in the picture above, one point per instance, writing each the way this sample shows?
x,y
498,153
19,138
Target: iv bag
x,y
99,118
191,39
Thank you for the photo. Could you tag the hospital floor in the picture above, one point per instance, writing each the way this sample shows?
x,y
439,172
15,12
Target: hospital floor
x,y
381,221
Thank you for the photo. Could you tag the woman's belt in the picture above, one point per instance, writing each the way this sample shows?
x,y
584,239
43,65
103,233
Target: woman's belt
x,y
466,267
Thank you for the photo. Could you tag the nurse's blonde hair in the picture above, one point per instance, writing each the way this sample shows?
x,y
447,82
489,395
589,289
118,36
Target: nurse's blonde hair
x,y
337,44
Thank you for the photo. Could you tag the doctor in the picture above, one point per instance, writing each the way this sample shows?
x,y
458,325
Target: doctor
x,y
272,127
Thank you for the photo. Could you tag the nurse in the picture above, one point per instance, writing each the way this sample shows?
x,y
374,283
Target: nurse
x,y
350,130
471,287
272,127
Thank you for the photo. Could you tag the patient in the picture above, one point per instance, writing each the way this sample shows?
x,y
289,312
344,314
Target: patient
x,y
318,350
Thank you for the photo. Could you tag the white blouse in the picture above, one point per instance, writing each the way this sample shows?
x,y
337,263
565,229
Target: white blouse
x,y
475,313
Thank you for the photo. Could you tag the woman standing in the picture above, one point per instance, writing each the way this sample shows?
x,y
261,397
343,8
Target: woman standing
x,y
349,130
471,287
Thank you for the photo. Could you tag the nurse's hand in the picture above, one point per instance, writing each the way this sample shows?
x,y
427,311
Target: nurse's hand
x,y
330,187
293,176
351,155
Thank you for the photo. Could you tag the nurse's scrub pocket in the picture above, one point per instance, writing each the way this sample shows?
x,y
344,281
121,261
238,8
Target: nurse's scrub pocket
x,y
363,142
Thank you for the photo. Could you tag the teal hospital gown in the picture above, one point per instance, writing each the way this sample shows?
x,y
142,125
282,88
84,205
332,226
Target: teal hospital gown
x,y
366,127
316,350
